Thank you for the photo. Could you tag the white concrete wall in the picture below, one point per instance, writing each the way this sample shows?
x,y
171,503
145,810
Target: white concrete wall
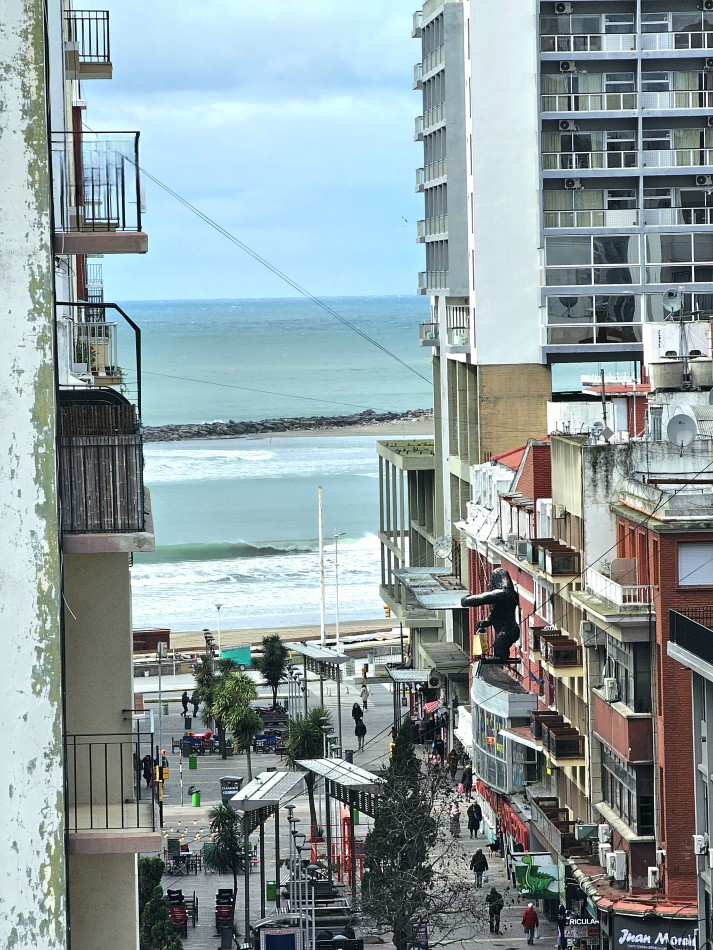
x,y
32,871
105,904
505,182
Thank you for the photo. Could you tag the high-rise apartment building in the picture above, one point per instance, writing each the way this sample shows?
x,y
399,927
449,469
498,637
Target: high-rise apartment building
x,y
73,505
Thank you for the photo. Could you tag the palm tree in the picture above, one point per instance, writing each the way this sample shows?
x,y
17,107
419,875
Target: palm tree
x,y
244,723
226,852
231,695
209,677
305,740
273,663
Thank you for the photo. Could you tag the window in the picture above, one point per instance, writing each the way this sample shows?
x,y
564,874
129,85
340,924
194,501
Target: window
x,y
656,81
657,197
695,564
621,150
619,82
619,23
654,23
628,791
620,199
656,140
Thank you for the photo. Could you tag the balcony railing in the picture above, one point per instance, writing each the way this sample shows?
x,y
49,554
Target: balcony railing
x,y
417,75
96,180
96,349
103,774
589,102
678,157
587,42
459,337
622,595
574,161
101,466
432,280
457,316
561,652
697,39
678,99
437,226
88,30
592,218
434,60
417,24
434,116
428,334
692,630
418,127
562,741
554,825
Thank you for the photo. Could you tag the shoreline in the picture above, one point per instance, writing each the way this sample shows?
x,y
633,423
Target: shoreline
x,y
415,422
252,636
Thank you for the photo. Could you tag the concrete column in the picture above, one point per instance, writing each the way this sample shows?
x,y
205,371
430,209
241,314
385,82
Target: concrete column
x,y
32,874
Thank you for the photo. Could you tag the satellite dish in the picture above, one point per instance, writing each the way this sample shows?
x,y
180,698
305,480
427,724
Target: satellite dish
x,y
672,300
681,430
443,547
597,429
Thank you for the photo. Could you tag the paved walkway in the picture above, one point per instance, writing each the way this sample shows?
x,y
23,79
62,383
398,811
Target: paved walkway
x,y
192,823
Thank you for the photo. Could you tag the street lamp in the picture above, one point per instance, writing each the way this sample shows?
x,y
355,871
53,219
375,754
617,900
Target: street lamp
x,y
337,536
217,607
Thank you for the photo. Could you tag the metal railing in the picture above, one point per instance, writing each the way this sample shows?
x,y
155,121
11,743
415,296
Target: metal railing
x,y
589,101
622,595
96,348
592,218
697,39
677,157
561,652
428,332
103,778
554,824
434,116
692,630
101,472
433,280
417,75
562,742
96,181
432,227
673,217
678,99
587,42
574,161
434,60
457,316
89,29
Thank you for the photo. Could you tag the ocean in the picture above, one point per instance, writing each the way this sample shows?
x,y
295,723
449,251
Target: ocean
x,y
236,519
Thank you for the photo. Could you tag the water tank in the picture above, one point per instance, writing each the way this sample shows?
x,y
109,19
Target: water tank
x,y
701,373
666,374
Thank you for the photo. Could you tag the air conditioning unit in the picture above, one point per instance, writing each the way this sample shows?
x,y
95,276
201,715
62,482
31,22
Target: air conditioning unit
x,y
584,832
611,689
435,680
521,548
709,62
700,844
709,121
563,8
510,540
572,184
610,859
567,66
567,125
653,877
707,5
590,635
559,511
704,181
604,834
660,856
619,865
604,851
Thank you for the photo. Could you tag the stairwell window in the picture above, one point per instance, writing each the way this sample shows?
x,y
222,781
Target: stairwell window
x,y
695,564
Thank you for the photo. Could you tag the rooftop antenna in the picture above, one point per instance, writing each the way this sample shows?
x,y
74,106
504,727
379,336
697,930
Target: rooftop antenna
x,y
604,396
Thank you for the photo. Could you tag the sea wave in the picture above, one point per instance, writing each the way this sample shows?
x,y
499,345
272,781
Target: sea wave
x,y
223,550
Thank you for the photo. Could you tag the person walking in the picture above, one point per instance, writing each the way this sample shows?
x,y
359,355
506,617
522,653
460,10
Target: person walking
x,y
147,769
357,713
530,922
479,865
467,781
475,816
195,702
184,702
364,695
561,924
453,759
360,732
495,903
455,819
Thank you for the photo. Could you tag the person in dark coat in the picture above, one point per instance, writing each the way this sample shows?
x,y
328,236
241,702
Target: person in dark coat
x,y
495,903
467,781
147,769
195,702
561,924
452,760
479,865
184,702
357,712
360,732
475,816
530,922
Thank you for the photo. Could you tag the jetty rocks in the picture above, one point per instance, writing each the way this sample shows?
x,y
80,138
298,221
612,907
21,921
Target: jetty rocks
x,y
232,429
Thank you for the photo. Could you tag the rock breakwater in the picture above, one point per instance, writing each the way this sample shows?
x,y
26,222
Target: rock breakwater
x,y
233,429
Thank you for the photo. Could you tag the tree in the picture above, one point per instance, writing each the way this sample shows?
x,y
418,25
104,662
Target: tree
x,y
413,870
305,740
272,665
211,677
156,931
226,853
150,874
244,723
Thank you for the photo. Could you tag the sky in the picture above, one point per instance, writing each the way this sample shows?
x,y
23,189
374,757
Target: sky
x,y
289,123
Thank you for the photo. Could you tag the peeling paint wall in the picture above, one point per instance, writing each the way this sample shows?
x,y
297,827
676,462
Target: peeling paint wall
x,y
32,872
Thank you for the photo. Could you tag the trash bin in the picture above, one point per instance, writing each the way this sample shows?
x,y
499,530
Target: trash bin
x,y
230,785
271,890
192,761
195,794
165,709
226,936
349,756
355,816
187,722
186,746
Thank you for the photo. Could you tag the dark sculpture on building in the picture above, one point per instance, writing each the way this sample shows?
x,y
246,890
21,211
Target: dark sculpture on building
x,y
501,594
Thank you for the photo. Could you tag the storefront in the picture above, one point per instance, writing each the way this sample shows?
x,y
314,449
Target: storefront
x,y
670,933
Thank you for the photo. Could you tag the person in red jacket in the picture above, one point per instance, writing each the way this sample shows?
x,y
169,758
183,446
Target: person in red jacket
x,y
530,921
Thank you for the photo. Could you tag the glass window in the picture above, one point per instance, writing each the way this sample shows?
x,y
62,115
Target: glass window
x,y
668,248
621,199
570,309
619,82
654,22
616,249
703,247
657,198
621,149
670,274
619,23
616,308
695,564
656,140
568,250
570,336
616,275
656,81
568,276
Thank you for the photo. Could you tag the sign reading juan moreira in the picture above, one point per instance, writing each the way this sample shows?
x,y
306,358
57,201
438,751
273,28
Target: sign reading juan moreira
x,y
633,933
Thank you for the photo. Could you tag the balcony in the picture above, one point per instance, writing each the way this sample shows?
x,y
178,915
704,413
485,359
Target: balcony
x,y
434,60
431,174
417,76
694,40
678,158
551,557
428,334
622,595
417,25
418,129
563,744
458,339
554,825
96,352
592,218
434,117
590,102
432,280
594,160
561,655
97,194
628,734
87,51
691,632
435,227
587,43
107,809
676,100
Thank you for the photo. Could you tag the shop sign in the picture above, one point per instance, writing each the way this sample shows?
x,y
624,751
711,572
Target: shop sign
x,y
581,932
535,875
633,933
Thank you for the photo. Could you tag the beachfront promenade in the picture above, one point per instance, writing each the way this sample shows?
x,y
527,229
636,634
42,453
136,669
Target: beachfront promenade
x,y
193,822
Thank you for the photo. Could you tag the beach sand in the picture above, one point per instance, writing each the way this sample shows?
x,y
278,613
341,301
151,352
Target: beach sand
x,y
192,640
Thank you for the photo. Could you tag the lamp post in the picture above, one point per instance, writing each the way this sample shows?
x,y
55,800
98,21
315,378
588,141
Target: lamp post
x,y
337,536
220,652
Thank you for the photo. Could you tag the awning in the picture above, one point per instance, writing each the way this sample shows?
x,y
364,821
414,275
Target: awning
x,y
408,676
433,587
347,783
261,797
448,659
464,730
523,736
431,707
320,660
